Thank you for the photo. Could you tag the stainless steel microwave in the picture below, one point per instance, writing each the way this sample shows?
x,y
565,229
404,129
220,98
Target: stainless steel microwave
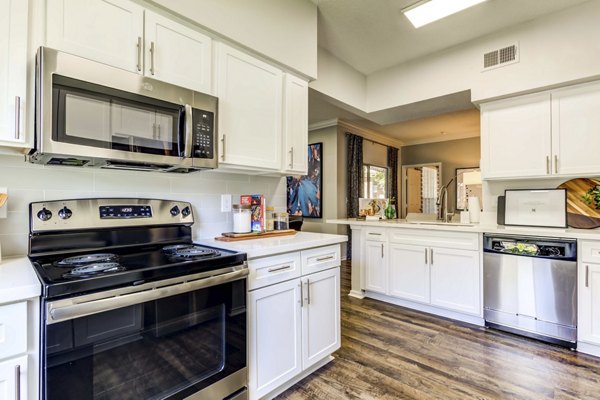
x,y
90,114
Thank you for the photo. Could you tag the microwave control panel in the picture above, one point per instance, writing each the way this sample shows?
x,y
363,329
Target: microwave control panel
x,y
203,134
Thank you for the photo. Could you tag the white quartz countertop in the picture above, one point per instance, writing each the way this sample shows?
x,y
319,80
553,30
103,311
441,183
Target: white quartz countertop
x,y
262,247
592,234
18,280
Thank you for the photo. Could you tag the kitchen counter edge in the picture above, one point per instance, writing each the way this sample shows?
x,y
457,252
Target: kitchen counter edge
x,y
18,280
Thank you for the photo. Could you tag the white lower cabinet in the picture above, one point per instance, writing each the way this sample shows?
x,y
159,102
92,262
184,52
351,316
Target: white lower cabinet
x,y
588,329
13,378
376,273
409,272
455,280
292,325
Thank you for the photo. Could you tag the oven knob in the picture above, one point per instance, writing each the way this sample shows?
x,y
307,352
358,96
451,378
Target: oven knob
x,y
65,213
44,214
175,211
186,211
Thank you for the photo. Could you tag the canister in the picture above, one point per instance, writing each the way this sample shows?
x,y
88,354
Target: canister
x,y
241,218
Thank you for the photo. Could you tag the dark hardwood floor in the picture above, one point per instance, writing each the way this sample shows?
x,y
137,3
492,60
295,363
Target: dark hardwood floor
x,y
389,352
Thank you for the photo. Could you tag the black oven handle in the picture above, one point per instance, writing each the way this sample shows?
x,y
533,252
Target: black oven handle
x,y
78,307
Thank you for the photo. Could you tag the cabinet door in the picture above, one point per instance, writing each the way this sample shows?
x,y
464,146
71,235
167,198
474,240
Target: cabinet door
x,y
516,137
376,276
250,110
177,54
295,125
589,304
409,272
274,336
13,379
576,130
320,316
108,31
13,70
455,281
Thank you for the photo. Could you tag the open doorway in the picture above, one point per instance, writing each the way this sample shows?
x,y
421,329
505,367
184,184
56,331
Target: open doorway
x,y
421,184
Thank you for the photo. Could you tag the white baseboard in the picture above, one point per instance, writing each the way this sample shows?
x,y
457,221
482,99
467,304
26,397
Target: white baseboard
x,y
587,348
297,378
357,294
471,319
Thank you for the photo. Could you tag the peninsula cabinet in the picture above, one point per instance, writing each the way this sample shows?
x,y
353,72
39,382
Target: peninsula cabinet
x,y
115,33
409,272
588,329
548,134
376,264
293,316
13,70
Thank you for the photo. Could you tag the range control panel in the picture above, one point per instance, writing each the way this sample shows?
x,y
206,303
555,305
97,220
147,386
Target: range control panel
x,y
203,134
107,213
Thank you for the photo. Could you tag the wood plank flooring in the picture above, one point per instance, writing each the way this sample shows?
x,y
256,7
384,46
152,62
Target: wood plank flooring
x,y
390,352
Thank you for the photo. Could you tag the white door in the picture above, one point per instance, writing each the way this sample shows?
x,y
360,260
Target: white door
x,y
516,137
455,280
376,271
409,272
177,54
295,125
320,316
576,130
108,31
13,379
250,110
589,304
13,71
274,336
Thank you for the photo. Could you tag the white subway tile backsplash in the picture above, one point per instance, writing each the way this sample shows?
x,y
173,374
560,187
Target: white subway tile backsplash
x,y
29,182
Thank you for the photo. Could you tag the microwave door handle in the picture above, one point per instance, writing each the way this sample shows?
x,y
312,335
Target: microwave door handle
x,y
188,132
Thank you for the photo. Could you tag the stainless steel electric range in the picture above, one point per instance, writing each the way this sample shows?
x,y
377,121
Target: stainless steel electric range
x,y
131,307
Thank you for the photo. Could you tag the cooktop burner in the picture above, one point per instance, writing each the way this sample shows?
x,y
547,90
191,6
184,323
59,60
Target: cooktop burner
x,y
70,262
93,269
190,251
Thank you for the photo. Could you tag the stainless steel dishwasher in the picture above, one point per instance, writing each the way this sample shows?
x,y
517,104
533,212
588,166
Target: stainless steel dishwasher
x,y
530,287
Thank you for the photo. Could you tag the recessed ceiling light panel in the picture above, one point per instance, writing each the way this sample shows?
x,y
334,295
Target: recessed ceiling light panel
x,y
424,12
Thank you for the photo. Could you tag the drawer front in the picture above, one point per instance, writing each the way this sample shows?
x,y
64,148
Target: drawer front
x,y
376,235
270,270
13,329
589,251
321,258
432,238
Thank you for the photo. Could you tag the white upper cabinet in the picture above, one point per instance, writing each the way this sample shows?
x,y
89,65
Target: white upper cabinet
x,y
549,134
250,111
296,125
576,130
114,32
515,137
177,54
108,31
13,71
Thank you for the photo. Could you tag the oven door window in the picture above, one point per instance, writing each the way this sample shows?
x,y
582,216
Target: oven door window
x,y
96,116
168,348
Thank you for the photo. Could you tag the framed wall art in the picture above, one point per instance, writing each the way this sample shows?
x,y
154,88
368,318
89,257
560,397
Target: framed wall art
x,y
305,192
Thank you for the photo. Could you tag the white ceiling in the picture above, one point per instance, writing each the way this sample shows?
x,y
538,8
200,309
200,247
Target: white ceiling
x,y
372,35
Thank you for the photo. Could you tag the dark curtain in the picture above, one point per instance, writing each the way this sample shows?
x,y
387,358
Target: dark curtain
x,y
354,187
392,163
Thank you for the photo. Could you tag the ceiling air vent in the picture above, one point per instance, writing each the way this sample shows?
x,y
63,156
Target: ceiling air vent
x,y
501,57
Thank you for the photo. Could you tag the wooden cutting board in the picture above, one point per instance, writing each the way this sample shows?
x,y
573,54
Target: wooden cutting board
x,y
580,214
235,237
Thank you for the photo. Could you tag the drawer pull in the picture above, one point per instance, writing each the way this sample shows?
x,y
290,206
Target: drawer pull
x,y
325,258
374,234
279,268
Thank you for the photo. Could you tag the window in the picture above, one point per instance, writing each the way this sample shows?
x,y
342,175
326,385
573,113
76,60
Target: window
x,y
375,182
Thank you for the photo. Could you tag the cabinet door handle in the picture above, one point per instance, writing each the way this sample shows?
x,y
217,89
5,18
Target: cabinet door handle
x,y
547,164
223,142
152,52
292,154
301,294
139,53
325,258
381,250
431,256
279,268
17,117
374,234
425,255
17,382
587,276
158,131
308,291
556,164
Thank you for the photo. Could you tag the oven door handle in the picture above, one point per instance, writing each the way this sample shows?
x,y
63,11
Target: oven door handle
x,y
72,311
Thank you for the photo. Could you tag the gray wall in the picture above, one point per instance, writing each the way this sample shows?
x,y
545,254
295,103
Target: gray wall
x,y
452,154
